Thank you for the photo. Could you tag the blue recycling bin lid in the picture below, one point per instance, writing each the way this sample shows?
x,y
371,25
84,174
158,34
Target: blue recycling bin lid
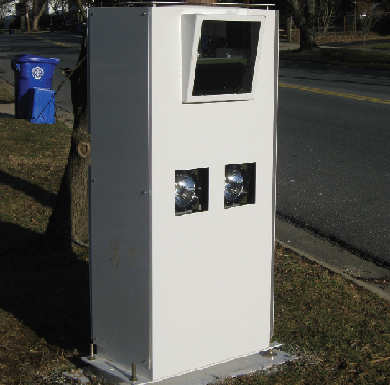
x,y
33,59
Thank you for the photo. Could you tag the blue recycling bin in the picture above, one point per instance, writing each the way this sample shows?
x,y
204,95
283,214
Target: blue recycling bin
x,y
42,105
29,72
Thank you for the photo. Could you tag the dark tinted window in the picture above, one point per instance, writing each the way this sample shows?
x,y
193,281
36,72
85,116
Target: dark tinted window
x,y
226,57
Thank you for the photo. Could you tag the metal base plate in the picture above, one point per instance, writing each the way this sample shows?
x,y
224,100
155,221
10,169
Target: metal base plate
x,y
120,375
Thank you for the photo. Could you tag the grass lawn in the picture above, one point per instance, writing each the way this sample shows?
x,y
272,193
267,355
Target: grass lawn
x,y
381,46
6,95
339,331
44,300
348,57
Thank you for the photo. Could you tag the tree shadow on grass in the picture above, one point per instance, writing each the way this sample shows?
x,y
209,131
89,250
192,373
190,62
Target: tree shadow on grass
x,y
47,293
41,195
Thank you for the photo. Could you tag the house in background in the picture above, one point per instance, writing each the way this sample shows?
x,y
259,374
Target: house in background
x,y
57,14
7,13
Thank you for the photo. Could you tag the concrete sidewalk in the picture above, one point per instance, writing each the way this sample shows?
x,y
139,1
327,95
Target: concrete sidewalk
x,y
284,46
7,110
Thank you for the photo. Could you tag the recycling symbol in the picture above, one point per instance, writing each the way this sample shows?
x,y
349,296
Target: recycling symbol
x,y
37,72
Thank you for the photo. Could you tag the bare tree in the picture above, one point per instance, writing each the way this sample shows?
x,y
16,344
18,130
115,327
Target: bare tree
x,y
80,6
59,7
303,14
326,11
34,10
38,7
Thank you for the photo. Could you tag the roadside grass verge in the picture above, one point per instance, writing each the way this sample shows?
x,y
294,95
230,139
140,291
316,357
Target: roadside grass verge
x,y
340,332
384,46
347,57
6,96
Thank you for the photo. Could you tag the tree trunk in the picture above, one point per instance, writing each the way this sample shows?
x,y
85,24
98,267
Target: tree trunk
x,y
81,9
27,18
69,219
306,39
37,16
304,19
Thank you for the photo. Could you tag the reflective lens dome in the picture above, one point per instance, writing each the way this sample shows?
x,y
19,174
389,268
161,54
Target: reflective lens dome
x,y
235,184
185,190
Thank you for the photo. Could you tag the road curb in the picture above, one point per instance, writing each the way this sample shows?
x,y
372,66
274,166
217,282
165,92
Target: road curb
x,y
333,258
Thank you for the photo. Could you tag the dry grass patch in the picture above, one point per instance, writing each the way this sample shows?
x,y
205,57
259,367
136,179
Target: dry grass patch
x,y
31,166
6,93
354,58
339,330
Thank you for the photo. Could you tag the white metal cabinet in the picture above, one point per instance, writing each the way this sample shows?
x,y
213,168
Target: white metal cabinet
x,y
173,291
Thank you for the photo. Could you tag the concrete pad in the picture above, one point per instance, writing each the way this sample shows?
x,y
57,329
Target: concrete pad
x,y
77,375
120,375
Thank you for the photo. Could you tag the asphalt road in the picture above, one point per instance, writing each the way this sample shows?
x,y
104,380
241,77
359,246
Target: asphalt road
x,y
333,173
333,155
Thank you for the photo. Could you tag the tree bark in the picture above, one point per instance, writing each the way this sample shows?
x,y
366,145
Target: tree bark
x,y
69,218
27,18
81,9
37,16
304,18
